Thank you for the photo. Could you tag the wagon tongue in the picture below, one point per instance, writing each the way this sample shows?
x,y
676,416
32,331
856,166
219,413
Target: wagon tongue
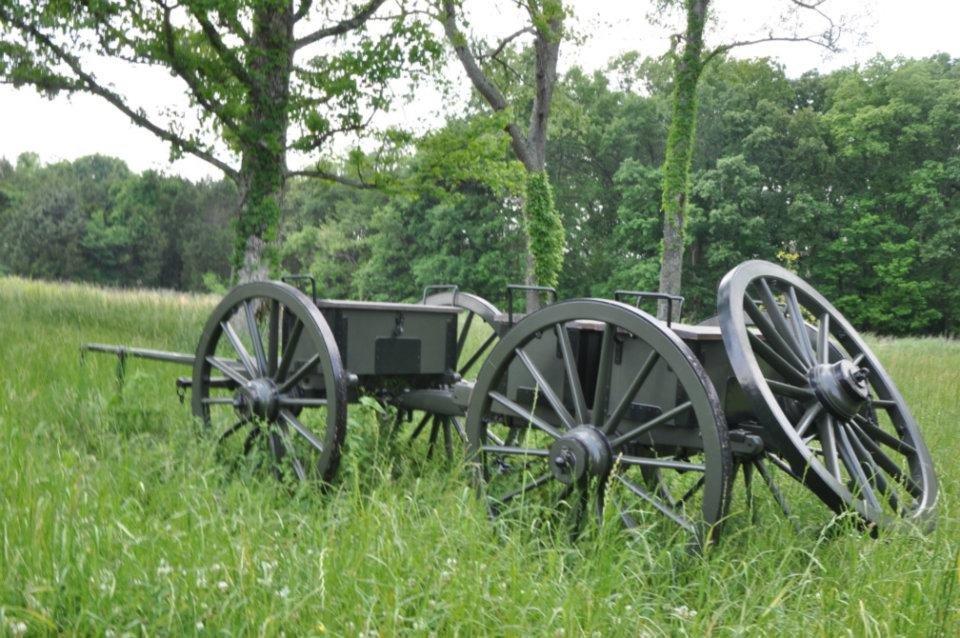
x,y
841,387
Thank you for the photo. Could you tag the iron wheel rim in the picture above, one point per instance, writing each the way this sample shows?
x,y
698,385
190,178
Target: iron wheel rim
x,y
704,406
844,443
279,323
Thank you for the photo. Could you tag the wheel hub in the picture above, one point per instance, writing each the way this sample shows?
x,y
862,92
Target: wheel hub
x,y
841,387
259,398
583,451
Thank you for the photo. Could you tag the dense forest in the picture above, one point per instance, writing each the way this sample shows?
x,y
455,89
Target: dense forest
x,y
851,178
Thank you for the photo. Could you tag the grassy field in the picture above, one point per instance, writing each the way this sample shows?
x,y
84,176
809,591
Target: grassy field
x,y
116,518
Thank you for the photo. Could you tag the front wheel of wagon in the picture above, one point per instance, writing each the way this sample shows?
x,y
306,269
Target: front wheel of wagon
x,y
268,381
592,403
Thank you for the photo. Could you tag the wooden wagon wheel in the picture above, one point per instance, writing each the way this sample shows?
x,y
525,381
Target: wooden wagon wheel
x,y
476,311
582,425
842,425
268,377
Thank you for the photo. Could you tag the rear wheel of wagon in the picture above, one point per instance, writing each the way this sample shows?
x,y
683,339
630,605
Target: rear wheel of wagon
x,y
843,428
268,381
592,403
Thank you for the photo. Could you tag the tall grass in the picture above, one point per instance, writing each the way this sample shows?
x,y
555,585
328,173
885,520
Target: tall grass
x,y
117,518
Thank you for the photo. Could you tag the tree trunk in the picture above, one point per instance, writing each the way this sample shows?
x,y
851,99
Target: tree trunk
x,y
679,153
264,140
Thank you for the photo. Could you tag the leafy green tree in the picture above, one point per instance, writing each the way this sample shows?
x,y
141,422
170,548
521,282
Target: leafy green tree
x,y
689,64
543,226
263,77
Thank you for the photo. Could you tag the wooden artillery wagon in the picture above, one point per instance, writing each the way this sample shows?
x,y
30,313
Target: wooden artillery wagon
x,y
582,395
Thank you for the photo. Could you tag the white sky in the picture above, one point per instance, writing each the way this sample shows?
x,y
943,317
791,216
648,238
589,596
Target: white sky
x,y
70,128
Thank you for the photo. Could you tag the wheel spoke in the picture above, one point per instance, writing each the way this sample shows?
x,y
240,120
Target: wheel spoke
x,y
251,439
614,419
671,464
292,453
231,430
273,338
459,428
883,437
773,487
800,327
828,443
289,351
789,390
217,401
823,339
780,321
777,341
516,451
644,427
295,423
297,402
301,372
812,412
555,402
601,394
886,463
420,426
479,353
669,512
248,363
228,370
570,368
254,330
541,480
693,490
464,332
875,476
886,404
778,363
524,414
853,466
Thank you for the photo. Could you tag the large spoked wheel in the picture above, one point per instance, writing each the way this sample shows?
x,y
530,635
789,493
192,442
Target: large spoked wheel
x,y
477,333
268,380
591,392
842,425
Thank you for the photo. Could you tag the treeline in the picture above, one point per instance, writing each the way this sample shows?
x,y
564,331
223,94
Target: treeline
x,y
851,178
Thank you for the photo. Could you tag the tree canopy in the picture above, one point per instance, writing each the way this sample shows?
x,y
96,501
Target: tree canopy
x,y
851,178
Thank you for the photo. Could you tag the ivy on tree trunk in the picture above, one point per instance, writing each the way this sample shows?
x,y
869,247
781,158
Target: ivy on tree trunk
x,y
679,152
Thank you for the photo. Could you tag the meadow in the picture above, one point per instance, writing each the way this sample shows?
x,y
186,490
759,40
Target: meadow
x,y
117,518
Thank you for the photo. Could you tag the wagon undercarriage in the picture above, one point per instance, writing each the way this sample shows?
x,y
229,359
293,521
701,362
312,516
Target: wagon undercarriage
x,y
559,406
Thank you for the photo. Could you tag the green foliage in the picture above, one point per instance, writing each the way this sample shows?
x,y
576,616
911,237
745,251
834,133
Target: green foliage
x,y
544,229
119,516
93,220
851,177
235,59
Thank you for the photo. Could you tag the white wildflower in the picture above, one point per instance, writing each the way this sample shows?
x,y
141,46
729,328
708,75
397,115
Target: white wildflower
x,y
284,593
223,585
684,613
199,625
18,628
164,569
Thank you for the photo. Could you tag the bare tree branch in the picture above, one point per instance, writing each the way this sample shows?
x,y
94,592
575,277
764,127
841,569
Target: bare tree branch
x,y
344,26
86,82
192,81
487,89
332,177
226,54
302,10
503,43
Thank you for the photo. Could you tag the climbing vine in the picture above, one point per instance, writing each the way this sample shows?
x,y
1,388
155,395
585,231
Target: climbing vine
x,y
544,229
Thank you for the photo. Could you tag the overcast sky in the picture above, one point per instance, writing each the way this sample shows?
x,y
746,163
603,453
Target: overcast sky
x,y
70,128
